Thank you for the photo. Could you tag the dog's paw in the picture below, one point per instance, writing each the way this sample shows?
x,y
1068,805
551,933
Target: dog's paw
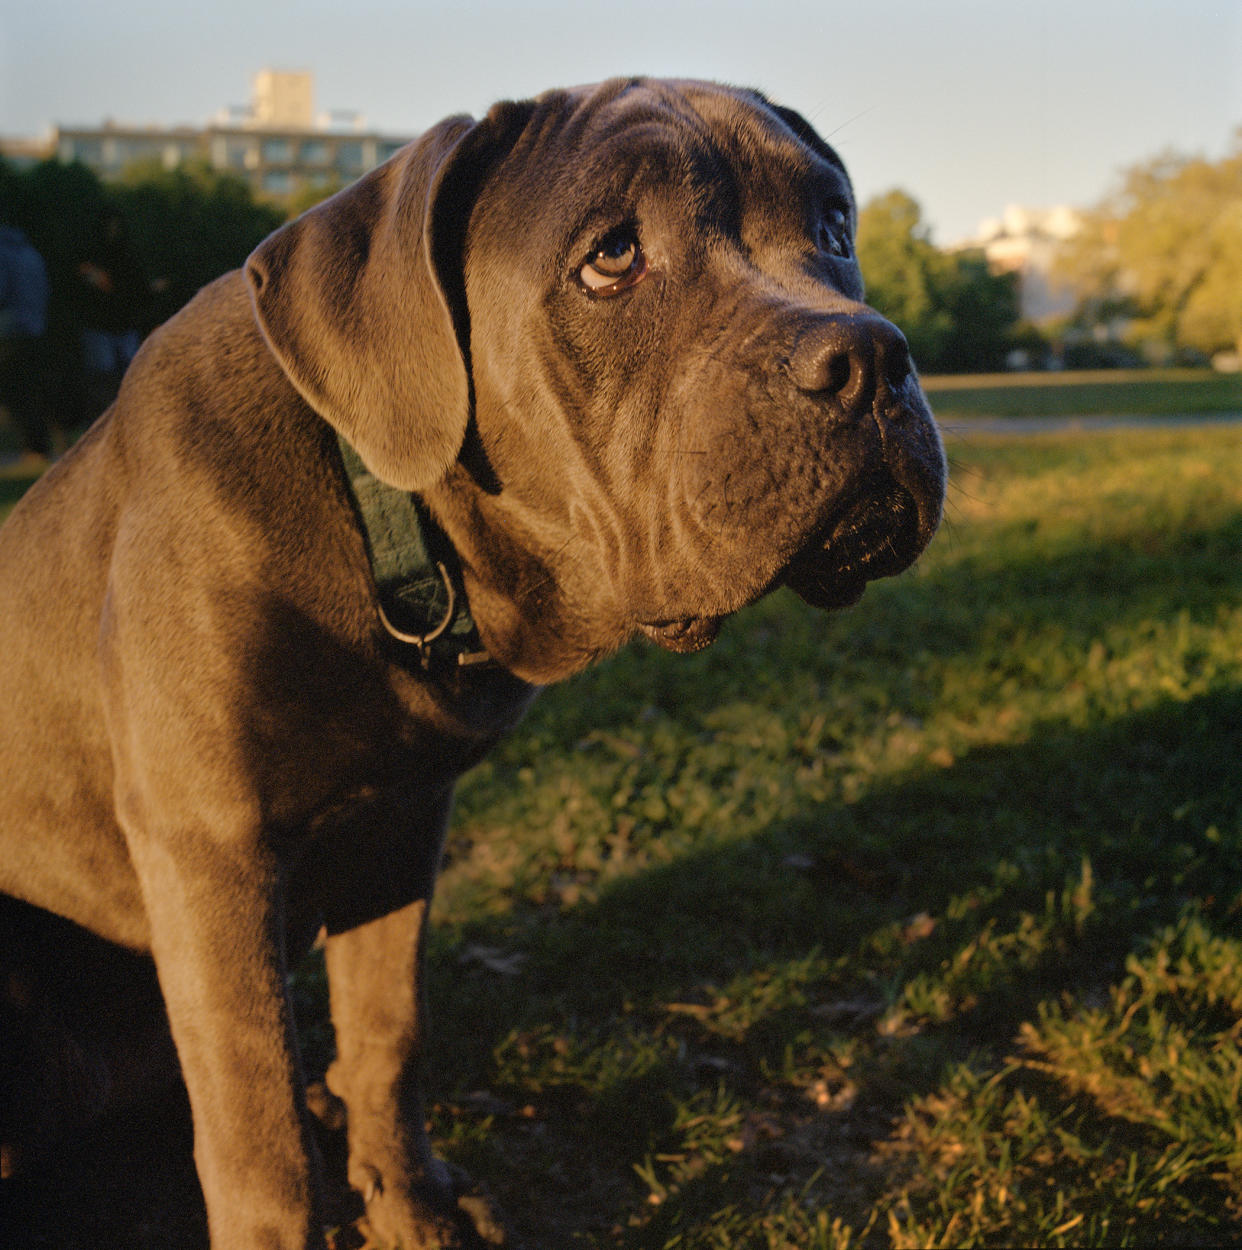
x,y
448,1211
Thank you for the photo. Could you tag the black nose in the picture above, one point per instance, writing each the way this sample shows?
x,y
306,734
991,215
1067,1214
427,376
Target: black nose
x,y
847,358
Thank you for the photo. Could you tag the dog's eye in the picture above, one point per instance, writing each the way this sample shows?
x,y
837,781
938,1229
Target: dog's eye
x,y
616,263
834,231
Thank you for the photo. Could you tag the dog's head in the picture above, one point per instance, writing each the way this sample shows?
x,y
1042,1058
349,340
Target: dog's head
x,y
616,337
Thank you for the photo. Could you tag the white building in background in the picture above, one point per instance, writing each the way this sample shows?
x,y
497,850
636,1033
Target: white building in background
x,y
276,143
1025,241
283,99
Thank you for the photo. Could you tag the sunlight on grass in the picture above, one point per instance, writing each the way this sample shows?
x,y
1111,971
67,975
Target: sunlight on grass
x,y
913,925
1151,392
1120,1127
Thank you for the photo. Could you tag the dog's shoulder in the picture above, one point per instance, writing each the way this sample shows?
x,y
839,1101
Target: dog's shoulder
x,y
211,346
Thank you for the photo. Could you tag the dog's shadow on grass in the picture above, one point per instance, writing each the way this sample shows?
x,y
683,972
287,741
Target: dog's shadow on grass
x,y
685,950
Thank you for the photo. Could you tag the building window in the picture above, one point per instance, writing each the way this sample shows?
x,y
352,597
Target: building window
x,y
277,182
236,154
349,159
120,154
314,152
88,151
277,152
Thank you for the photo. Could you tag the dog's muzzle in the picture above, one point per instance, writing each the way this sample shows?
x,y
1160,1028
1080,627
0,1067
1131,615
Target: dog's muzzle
x,y
861,366
852,375
877,535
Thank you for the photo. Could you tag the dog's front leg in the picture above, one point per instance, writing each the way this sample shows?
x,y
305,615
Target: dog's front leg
x,y
374,979
216,930
375,982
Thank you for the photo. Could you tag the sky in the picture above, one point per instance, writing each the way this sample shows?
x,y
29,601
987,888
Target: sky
x,y
969,105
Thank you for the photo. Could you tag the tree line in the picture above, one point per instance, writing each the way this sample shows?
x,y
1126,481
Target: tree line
x,y
957,314
187,225
182,228
1157,266
1156,272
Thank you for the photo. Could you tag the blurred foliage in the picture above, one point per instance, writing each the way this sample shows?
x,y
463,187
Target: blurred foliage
x,y
309,196
185,227
956,313
57,207
1164,255
190,225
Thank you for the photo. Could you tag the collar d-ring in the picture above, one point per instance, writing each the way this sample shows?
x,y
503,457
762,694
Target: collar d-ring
x,y
421,640
411,558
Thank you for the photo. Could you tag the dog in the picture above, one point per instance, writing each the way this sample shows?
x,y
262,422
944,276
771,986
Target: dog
x,y
595,366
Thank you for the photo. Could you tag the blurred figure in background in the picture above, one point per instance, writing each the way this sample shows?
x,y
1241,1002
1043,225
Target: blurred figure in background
x,y
23,323
113,295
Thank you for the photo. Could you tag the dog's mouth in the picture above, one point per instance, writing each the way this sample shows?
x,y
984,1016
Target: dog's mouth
x,y
877,534
878,530
690,633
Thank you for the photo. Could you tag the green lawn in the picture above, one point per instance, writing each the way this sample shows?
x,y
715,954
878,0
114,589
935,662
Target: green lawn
x,y
915,925
1154,392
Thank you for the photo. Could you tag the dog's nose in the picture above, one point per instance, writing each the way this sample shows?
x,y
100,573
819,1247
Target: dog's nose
x,y
846,358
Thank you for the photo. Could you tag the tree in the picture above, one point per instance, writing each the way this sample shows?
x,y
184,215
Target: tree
x,y
899,264
956,314
1165,252
190,224
982,308
58,207
186,225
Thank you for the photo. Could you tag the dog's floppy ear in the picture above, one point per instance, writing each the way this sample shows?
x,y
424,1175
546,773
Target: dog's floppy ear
x,y
806,132
362,300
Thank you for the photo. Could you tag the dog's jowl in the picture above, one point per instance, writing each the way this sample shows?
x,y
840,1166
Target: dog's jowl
x,y
594,366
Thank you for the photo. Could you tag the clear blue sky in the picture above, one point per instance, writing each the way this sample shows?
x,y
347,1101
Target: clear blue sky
x,y
967,104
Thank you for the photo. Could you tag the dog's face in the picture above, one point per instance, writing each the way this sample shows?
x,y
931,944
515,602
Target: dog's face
x,y
679,394
616,337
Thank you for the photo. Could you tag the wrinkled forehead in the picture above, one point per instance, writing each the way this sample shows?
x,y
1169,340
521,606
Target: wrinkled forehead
x,y
593,148
700,120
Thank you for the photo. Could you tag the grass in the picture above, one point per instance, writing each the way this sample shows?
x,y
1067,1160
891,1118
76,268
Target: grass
x,y
915,925
1139,392
912,926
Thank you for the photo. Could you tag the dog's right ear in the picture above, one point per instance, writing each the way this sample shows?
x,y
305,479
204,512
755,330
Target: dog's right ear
x,y
806,132
362,299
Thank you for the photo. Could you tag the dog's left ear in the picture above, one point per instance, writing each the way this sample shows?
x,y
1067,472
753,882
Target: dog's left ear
x,y
362,299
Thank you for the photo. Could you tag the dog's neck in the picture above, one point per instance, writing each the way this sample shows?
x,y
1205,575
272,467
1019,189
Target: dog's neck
x,y
420,595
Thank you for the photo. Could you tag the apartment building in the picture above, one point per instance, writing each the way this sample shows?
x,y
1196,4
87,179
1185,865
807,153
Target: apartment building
x,y
1025,241
276,143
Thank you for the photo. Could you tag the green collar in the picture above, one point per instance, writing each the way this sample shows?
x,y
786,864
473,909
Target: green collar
x,y
421,599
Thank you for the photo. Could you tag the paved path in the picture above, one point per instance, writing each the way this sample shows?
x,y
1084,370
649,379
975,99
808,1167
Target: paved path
x,y
965,427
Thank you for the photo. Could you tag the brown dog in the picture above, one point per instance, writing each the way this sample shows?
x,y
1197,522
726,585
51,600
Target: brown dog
x,y
600,362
